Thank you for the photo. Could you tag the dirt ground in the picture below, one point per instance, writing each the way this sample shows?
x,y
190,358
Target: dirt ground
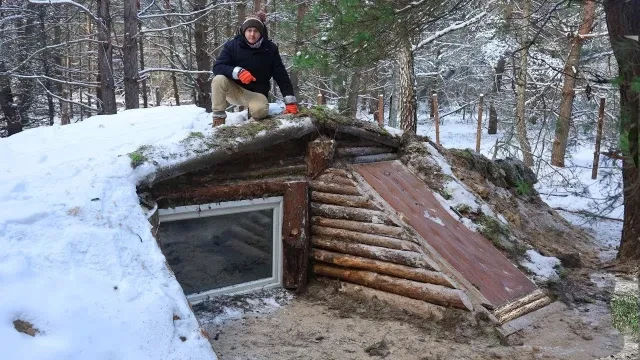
x,y
326,323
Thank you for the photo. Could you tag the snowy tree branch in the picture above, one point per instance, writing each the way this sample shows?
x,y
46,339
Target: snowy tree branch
x,y
66,2
148,70
206,9
36,77
449,29
65,100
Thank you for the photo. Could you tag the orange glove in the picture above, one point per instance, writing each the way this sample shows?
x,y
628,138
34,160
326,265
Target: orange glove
x,y
291,109
246,77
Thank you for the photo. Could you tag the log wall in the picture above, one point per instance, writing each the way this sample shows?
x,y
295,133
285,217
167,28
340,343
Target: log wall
x,y
355,240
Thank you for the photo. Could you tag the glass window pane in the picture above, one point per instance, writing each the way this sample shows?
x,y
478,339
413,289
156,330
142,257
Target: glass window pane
x,y
213,252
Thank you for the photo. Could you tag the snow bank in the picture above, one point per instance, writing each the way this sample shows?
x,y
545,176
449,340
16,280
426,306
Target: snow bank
x,y
78,259
543,267
458,194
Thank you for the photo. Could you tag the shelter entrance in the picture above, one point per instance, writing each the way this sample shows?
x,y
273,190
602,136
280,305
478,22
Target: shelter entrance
x,y
223,248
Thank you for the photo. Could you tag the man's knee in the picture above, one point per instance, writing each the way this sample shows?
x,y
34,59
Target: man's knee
x,y
219,82
259,109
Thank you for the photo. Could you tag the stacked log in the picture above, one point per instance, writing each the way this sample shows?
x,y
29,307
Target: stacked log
x,y
359,152
519,307
353,239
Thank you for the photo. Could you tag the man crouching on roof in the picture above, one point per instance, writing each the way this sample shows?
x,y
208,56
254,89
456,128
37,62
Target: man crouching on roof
x,y
243,72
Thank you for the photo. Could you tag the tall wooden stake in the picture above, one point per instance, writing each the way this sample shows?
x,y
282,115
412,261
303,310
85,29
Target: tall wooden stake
x,y
436,117
381,110
596,154
479,131
319,99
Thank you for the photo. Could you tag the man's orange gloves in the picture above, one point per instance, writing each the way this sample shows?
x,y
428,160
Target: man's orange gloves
x,y
245,77
291,109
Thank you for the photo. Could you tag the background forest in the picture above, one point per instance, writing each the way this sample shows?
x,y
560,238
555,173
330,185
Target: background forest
x,y
541,67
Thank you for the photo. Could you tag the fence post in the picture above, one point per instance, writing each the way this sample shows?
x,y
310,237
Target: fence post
x,y
596,153
436,115
479,131
381,110
320,99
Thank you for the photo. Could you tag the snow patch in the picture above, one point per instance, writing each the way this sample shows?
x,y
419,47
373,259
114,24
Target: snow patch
x,y
72,231
543,267
435,219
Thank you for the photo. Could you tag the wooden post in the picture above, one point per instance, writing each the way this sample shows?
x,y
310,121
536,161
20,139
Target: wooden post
x,y
436,119
479,131
320,100
381,110
295,236
596,154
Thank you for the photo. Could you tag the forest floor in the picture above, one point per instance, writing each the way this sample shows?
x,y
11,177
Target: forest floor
x,y
327,323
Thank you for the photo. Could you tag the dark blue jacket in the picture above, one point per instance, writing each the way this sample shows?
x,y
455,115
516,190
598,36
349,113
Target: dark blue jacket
x,y
263,63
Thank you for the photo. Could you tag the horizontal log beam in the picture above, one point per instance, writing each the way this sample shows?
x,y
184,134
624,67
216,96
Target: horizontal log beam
x,y
434,294
339,172
370,135
373,158
537,294
216,193
333,188
221,150
261,173
349,213
367,239
533,306
343,200
363,227
336,179
401,257
381,267
362,150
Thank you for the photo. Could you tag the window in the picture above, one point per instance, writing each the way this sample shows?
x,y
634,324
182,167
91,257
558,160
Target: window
x,y
223,248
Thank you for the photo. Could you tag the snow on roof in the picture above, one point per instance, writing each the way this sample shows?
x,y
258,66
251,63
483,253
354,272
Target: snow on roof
x,y
78,259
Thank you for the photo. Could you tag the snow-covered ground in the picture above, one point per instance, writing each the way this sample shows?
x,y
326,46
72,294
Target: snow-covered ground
x,y
559,187
78,260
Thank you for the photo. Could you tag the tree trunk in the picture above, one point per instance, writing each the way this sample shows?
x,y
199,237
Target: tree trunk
x,y
45,64
145,91
172,54
493,120
203,59
130,56
497,84
25,93
352,97
521,88
7,104
105,60
65,108
407,98
570,74
295,74
242,12
623,19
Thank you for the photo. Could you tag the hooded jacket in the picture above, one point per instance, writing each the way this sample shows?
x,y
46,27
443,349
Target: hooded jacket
x,y
263,63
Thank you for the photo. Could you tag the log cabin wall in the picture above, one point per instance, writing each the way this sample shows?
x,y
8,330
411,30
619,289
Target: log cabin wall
x,y
348,237
277,171
355,240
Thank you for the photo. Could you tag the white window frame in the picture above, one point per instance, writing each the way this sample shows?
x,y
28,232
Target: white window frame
x,y
233,207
